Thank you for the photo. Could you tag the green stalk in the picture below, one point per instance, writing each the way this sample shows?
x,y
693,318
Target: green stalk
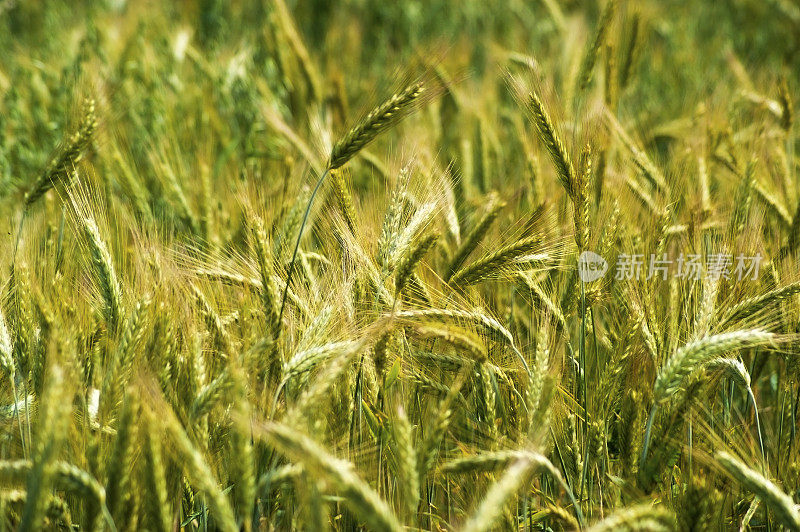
x,y
758,430
582,356
297,243
647,431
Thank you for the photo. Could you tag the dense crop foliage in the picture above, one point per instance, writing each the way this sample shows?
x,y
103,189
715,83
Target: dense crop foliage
x,y
372,265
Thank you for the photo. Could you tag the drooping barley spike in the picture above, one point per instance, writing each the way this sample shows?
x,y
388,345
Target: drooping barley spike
x,y
357,495
692,358
781,504
640,158
60,169
560,516
593,47
194,465
516,475
75,480
489,461
486,324
565,170
735,370
466,342
695,355
378,120
753,305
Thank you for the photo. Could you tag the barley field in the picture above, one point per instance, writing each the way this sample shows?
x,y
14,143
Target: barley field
x,y
442,265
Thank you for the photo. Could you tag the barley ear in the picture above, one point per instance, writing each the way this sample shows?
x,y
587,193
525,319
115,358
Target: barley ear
x,y
104,272
343,199
120,460
194,465
641,517
406,462
494,264
694,356
269,292
565,170
781,504
378,120
755,304
60,168
516,475
156,503
477,234
53,422
409,261
593,46
365,503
